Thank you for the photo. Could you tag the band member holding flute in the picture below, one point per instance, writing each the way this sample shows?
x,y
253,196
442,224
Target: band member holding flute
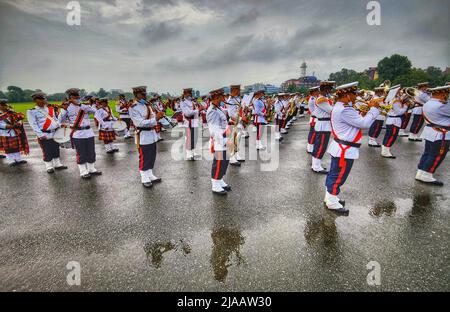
x,y
82,135
105,120
43,119
218,125
145,120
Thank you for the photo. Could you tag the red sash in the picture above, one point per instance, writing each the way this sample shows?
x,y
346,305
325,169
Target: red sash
x,y
48,121
344,149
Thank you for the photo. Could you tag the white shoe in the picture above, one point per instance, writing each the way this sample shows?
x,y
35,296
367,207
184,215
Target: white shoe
x,y
83,170
283,131
425,176
91,169
49,166
234,161
259,145
317,165
386,152
277,136
217,187
239,158
332,202
254,129
152,177
294,118
145,177
373,142
224,185
402,133
309,148
190,155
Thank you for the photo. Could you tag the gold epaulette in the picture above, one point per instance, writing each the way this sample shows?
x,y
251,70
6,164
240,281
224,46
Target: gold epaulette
x,y
321,100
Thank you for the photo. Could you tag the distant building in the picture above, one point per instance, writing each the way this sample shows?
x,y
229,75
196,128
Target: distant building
x,y
268,88
447,71
303,81
372,72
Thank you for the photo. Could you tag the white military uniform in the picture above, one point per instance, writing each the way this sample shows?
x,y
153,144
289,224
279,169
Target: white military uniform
x,y
234,112
144,120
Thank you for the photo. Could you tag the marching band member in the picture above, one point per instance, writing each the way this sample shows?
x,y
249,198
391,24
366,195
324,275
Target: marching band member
x,y
13,139
217,123
285,102
346,125
313,93
191,121
418,119
322,128
260,117
279,114
375,128
122,108
393,125
436,134
145,121
105,120
234,110
82,135
43,119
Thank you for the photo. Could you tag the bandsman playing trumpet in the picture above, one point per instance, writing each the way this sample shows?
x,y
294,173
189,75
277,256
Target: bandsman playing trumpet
x,y
418,120
346,126
43,119
436,134
393,123
145,121
377,125
218,125
322,110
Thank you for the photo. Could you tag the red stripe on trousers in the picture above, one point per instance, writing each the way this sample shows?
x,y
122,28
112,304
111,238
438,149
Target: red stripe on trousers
x,y
216,175
321,146
141,159
339,179
313,137
441,151
394,130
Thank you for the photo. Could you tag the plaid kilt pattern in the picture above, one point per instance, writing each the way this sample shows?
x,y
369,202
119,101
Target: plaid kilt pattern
x,y
106,135
9,145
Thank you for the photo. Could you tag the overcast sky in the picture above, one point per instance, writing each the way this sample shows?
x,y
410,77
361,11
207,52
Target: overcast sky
x,y
206,44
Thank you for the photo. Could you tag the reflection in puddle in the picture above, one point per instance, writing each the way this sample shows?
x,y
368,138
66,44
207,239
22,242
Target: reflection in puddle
x,y
383,208
226,242
155,251
322,229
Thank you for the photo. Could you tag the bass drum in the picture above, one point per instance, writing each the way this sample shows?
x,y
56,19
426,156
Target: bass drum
x,y
62,137
120,128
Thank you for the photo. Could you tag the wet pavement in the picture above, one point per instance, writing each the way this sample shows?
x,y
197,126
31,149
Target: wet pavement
x,y
271,233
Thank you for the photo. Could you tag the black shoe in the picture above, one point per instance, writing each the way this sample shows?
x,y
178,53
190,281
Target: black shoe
x,y
21,162
414,140
158,180
220,193
373,145
86,176
236,164
390,157
343,211
2,156
342,202
96,173
435,183
227,188
61,168
116,150
110,152
241,160
147,184
14,164
160,140
51,170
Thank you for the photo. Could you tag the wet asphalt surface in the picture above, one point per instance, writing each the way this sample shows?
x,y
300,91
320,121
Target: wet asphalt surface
x,y
271,233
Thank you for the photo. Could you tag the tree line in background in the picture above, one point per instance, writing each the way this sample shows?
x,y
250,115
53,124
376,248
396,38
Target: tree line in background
x,y
396,68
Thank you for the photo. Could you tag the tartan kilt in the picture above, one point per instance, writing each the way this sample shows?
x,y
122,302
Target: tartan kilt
x,y
9,145
106,135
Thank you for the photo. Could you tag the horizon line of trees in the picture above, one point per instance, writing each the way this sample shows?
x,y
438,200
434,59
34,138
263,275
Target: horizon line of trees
x,y
396,68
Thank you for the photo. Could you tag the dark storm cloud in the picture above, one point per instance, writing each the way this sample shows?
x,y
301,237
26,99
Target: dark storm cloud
x,y
209,42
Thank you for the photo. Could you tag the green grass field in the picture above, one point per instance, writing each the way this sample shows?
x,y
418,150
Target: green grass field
x,y
23,107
